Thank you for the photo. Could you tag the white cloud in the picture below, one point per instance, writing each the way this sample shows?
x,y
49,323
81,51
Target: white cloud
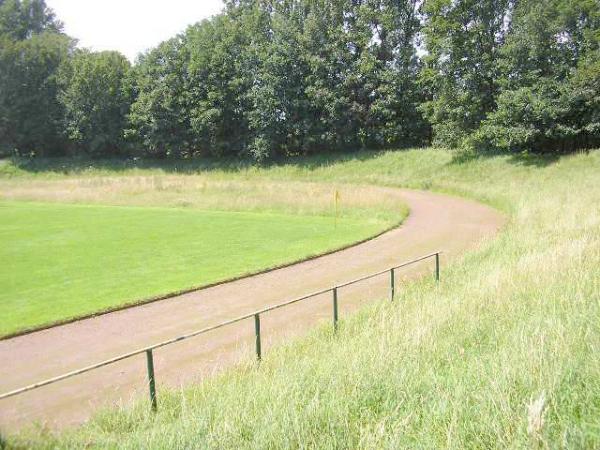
x,y
130,26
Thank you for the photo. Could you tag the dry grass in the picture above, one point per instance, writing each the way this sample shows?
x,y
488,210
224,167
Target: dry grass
x,y
204,191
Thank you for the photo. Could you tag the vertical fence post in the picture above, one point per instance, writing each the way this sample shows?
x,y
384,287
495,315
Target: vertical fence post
x,y
257,333
335,309
151,379
392,284
437,267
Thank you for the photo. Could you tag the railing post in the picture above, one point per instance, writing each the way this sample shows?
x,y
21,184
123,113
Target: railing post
x,y
335,309
437,267
392,284
257,333
151,379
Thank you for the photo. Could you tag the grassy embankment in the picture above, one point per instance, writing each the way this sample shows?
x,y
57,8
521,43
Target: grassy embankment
x,y
503,354
71,254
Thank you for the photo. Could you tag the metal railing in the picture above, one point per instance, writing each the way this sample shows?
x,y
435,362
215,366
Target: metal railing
x,y
149,350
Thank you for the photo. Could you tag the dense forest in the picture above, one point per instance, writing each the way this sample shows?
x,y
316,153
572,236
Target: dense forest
x,y
283,77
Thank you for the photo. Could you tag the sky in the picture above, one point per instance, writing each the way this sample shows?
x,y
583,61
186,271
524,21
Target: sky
x,y
129,26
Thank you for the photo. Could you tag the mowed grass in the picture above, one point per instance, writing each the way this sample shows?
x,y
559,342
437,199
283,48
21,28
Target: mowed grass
x,y
503,354
62,261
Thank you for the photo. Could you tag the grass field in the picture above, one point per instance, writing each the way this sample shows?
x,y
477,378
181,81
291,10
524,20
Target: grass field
x,y
71,260
503,355
83,239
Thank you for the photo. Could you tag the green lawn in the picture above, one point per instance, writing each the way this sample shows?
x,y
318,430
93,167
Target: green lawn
x,y
62,261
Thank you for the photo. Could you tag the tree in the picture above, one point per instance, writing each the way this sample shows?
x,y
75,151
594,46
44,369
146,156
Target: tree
x,y
549,68
283,77
583,95
30,114
362,67
220,77
230,94
279,112
21,19
95,100
159,120
388,31
463,40
31,51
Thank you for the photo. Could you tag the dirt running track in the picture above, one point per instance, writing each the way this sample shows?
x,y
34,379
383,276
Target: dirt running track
x,y
435,222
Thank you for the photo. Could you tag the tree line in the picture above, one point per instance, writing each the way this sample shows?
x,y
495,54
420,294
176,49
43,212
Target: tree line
x,y
284,77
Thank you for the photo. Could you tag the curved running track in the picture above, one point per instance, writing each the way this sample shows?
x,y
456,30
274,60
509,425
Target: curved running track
x,y
436,222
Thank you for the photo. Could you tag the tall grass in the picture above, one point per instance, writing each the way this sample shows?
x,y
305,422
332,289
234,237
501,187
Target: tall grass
x,y
211,191
503,354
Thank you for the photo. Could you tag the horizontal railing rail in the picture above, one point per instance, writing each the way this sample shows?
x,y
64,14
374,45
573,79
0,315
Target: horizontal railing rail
x,y
256,314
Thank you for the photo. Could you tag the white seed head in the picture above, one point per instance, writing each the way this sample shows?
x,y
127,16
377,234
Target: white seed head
x,y
535,415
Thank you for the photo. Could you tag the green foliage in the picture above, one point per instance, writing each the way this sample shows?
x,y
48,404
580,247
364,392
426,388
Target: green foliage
x,y
32,48
222,69
269,78
548,100
159,118
30,113
96,101
298,77
463,39
584,100
499,73
363,73
21,19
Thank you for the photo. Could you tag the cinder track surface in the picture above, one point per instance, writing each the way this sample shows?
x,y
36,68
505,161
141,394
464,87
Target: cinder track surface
x,y
436,222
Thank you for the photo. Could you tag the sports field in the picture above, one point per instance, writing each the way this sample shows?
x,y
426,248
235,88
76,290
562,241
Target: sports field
x,y
68,260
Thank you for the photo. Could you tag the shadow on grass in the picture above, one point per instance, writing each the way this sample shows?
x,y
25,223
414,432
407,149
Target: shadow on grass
x,y
78,165
519,159
537,160
195,165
